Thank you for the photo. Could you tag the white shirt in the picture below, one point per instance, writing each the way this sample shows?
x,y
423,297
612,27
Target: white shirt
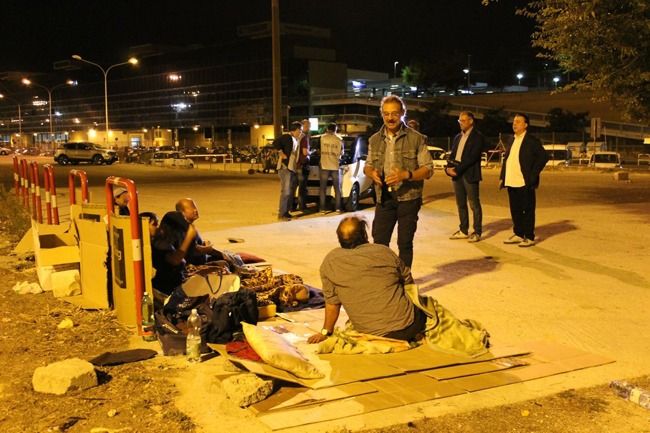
x,y
514,176
461,143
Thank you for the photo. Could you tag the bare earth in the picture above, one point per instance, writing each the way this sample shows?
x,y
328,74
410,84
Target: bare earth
x,y
585,285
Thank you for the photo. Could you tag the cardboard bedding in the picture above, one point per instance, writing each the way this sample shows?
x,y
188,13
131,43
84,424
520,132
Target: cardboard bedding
x,y
358,384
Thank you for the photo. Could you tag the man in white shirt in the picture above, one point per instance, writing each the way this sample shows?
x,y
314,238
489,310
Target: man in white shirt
x,y
523,162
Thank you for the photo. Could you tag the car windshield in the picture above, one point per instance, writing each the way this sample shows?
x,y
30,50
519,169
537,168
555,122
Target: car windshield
x,y
607,158
437,154
97,146
558,155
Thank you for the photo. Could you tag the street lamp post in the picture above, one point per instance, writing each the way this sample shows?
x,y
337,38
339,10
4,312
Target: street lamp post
x,y
27,82
556,80
132,61
395,69
20,120
469,72
519,77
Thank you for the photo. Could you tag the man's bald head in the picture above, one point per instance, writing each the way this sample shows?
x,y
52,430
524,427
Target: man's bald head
x,y
188,208
352,232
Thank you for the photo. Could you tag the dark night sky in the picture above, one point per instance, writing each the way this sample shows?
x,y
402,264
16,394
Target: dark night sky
x,y
368,34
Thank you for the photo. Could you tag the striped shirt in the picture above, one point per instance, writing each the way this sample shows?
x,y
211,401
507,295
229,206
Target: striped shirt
x,y
369,282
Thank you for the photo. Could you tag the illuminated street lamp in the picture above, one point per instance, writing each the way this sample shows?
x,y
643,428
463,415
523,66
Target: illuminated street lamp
x,y
519,77
20,120
395,69
28,82
556,80
132,61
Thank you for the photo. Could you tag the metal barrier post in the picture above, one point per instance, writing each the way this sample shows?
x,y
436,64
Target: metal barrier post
x,y
136,237
32,189
36,184
50,193
24,182
84,185
16,177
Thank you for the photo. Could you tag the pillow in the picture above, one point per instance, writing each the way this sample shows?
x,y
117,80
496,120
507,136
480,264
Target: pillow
x,y
279,353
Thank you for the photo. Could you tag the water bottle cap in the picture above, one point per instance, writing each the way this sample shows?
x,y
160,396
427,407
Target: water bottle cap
x,y
194,311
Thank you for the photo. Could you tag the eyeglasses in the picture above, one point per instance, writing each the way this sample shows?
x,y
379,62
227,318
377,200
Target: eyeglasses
x,y
463,120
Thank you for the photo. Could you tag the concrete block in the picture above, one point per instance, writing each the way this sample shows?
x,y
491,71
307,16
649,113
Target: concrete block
x,y
63,376
247,389
621,175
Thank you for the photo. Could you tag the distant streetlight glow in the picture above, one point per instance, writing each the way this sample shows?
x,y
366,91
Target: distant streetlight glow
x,y
28,82
174,77
20,120
395,69
132,61
519,77
556,80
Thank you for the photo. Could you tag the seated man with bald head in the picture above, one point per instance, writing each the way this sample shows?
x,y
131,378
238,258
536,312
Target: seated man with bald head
x,y
368,280
200,250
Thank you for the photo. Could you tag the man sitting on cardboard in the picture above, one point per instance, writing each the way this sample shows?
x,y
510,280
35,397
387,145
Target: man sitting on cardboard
x,y
368,280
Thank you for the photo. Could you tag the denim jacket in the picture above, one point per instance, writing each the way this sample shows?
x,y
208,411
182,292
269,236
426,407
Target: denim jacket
x,y
410,153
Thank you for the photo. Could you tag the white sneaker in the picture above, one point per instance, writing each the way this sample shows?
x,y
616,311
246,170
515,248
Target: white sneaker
x,y
514,239
474,237
526,243
458,235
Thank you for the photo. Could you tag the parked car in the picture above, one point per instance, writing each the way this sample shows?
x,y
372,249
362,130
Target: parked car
x,y
73,153
168,158
6,151
439,156
558,154
355,185
605,160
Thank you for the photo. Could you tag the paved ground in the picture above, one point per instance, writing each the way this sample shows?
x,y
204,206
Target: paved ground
x,y
586,284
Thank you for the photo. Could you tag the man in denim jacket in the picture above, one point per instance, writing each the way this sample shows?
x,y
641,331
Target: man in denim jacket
x,y
399,162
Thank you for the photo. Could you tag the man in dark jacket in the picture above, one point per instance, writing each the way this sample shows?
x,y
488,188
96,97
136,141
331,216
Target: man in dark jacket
x,y
465,173
287,145
523,162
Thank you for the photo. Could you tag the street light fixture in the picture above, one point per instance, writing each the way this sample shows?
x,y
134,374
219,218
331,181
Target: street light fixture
x,y
20,120
519,77
28,82
556,80
395,69
132,61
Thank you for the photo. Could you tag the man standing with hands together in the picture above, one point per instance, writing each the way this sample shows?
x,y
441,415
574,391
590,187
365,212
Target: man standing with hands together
x,y
398,161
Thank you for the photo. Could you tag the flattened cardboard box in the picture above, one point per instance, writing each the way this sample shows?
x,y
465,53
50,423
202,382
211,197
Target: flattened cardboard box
x,y
55,250
92,235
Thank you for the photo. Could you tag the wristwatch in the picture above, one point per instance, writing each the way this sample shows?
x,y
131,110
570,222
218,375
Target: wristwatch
x,y
325,332
410,174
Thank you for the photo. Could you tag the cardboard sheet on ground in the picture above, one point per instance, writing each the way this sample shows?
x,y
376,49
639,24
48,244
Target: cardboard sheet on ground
x,y
391,392
358,384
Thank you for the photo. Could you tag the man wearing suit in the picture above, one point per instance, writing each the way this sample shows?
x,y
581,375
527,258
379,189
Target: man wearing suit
x,y
466,175
523,162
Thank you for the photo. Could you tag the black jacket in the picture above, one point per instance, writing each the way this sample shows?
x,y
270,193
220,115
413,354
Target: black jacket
x,y
470,164
532,159
285,144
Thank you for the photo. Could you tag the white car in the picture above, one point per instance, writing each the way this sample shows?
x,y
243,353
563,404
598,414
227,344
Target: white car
x,y
6,151
558,154
355,185
439,157
605,160
168,158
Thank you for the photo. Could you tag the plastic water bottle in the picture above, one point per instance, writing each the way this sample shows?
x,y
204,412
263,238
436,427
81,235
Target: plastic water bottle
x,y
147,318
631,392
193,344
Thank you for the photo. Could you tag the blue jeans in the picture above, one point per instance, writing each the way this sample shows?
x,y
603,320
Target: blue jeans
x,y
286,196
336,186
465,191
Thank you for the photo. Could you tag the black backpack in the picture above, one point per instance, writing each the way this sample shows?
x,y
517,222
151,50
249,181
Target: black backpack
x,y
228,311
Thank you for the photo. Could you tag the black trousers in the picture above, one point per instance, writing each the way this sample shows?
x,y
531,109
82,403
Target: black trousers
x,y
522,209
409,333
405,215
